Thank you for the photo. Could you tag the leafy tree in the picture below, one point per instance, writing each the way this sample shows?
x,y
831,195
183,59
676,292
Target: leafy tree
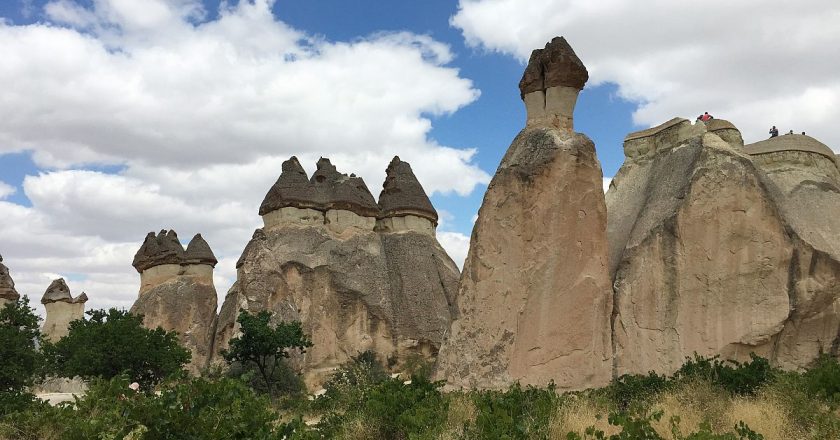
x,y
20,360
115,342
264,346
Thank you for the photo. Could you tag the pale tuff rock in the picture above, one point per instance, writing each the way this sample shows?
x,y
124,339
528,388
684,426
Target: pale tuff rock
x,y
7,286
534,301
705,256
354,287
177,292
551,83
61,309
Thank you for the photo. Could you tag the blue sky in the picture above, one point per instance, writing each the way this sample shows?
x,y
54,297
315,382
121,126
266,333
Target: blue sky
x,y
125,116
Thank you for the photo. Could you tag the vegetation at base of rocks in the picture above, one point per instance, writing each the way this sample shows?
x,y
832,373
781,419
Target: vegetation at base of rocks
x,y
265,348
707,399
21,363
114,342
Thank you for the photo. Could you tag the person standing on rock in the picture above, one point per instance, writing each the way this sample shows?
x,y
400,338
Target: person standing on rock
x,y
705,117
774,131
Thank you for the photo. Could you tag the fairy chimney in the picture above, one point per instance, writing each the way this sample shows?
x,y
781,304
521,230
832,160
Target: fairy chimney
x,y
62,309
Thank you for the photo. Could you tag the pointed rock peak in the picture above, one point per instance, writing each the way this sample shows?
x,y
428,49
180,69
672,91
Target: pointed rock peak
x,y
81,299
7,285
292,189
57,291
556,65
402,193
199,252
163,248
340,191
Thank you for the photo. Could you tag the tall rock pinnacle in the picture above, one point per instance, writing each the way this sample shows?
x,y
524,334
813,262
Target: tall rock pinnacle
x,y
292,189
551,83
62,309
534,300
199,252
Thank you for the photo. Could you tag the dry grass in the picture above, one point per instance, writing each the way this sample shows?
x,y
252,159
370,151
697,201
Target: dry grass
x,y
766,416
578,414
461,410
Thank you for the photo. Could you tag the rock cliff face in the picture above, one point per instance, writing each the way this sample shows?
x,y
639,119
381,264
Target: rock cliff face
x,y
61,308
534,300
177,292
359,277
7,286
706,253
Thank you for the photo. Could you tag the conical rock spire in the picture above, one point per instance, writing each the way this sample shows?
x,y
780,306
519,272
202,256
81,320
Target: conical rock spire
x,y
402,193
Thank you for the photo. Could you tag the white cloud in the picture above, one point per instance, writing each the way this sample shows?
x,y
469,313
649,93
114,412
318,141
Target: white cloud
x,y
456,245
199,115
6,190
756,63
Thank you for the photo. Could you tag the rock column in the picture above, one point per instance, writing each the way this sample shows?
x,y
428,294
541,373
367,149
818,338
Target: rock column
x,y
535,300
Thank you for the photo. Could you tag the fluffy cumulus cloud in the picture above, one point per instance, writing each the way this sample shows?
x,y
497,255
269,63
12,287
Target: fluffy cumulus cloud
x,y
198,114
755,62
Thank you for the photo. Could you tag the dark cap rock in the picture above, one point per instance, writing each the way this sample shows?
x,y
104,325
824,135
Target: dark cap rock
x,y
199,252
163,248
340,191
554,66
402,193
7,285
57,291
292,189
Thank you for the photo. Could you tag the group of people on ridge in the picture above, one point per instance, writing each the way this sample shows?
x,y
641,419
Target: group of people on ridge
x,y
775,132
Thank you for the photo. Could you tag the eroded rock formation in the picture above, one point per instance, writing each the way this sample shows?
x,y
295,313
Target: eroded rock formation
x,y
716,249
535,299
177,291
7,286
61,308
359,277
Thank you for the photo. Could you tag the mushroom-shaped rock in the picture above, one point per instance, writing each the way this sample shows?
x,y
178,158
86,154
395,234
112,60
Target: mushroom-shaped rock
x,y
160,249
62,309
790,142
57,291
292,189
199,252
7,285
726,131
340,191
556,65
403,195
551,83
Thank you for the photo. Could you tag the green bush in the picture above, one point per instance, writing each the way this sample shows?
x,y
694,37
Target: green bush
x,y
518,413
639,427
20,360
743,379
195,409
635,389
392,409
111,343
351,383
263,348
823,379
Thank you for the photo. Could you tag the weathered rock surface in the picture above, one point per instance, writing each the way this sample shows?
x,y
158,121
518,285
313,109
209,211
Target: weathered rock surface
x,y
61,309
705,256
534,299
354,288
177,292
7,286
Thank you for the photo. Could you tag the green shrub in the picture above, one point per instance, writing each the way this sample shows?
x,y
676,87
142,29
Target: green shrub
x,y
111,343
195,409
518,413
742,379
823,379
264,348
392,409
635,389
21,362
639,427
351,383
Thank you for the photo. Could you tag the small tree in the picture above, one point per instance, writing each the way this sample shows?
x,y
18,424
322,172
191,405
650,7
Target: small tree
x,y
264,346
115,342
20,360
